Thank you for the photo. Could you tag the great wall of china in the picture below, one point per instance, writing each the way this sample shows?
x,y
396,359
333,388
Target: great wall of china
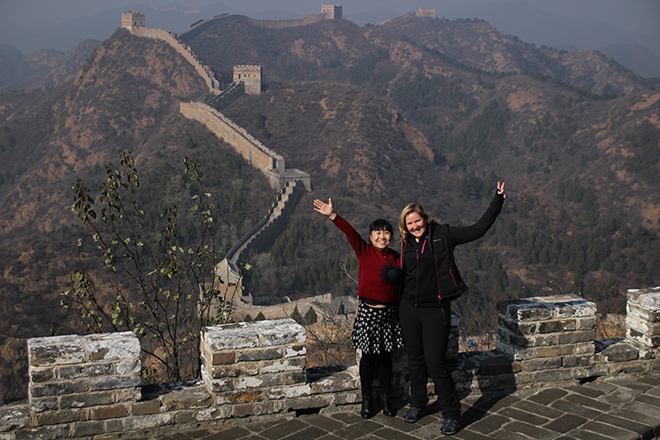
x,y
290,183
90,386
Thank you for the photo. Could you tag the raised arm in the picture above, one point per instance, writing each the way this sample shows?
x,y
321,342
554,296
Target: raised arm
x,y
466,234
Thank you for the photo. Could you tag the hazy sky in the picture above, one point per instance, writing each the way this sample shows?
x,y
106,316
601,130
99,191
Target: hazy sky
x,y
18,16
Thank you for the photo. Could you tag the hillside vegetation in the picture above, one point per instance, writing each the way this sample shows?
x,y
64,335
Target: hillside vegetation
x,y
380,116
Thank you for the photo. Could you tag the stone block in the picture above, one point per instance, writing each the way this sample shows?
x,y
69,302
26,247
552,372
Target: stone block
x,y
84,371
620,352
290,364
43,432
87,399
336,382
288,392
219,413
58,388
550,376
113,346
577,361
234,370
49,403
14,417
41,374
546,308
313,402
256,409
260,354
556,326
139,423
223,358
647,298
59,417
280,332
576,337
127,394
114,382
295,350
88,428
541,364
229,337
109,412
233,397
147,407
56,350
186,398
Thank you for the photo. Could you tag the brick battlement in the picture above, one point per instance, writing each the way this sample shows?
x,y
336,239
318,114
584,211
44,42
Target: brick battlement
x,y
81,386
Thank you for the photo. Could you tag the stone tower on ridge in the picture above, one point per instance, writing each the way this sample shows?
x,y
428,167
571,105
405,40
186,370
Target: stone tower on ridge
x,y
131,20
333,12
426,12
250,76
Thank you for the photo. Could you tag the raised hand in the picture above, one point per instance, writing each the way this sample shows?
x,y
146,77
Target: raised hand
x,y
500,189
324,208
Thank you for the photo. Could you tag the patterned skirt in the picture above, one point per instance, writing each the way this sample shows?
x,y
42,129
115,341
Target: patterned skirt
x,y
377,330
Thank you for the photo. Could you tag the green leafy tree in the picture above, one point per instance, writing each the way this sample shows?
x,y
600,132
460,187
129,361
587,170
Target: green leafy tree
x,y
162,286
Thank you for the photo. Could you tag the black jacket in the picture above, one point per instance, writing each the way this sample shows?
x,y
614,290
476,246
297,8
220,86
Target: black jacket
x,y
435,253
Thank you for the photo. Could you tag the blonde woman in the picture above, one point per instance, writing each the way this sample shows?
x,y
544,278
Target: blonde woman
x,y
430,281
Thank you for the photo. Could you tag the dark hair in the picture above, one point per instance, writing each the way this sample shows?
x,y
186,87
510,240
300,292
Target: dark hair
x,y
380,225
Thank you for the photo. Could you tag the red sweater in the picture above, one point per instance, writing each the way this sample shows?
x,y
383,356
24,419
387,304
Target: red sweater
x,y
379,271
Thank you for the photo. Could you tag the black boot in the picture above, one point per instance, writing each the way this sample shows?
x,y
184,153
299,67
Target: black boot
x,y
367,408
387,408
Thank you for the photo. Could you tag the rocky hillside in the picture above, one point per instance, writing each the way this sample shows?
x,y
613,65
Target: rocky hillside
x,y
380,116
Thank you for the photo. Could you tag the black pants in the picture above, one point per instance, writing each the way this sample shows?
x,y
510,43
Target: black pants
x,y
372,364
425,336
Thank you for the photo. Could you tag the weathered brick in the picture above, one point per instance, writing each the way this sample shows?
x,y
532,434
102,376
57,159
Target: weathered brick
x,y
260,354
58,388
87,399
56,350
224,358
88,428
556,326
114,382
247,396
59,417
85,371
113,346
291,364
109,412
147,407
186,398
41,374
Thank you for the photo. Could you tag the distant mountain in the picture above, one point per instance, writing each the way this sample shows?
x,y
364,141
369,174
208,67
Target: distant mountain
x,y
42,70
535,26
513,18
637,58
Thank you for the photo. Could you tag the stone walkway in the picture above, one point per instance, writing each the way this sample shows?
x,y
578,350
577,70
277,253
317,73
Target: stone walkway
x,y
601,410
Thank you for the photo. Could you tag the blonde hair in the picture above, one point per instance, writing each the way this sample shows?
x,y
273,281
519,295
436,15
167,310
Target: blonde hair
x,y
409,209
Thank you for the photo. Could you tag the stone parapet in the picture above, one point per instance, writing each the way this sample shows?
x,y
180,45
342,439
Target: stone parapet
x,y
256,363
643,316
548,338
89,386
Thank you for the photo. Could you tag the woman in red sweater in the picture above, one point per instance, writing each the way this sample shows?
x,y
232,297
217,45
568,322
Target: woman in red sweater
x,y
376,331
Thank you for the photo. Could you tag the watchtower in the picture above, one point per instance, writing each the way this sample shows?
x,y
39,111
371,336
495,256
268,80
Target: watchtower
x,y
131,20
333,12
250,76
426,12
